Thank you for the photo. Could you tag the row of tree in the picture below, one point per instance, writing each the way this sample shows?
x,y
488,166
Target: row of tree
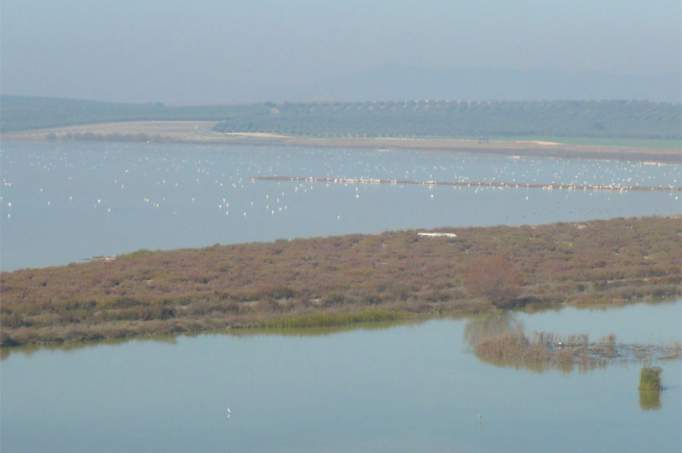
x,y
621,119
416,118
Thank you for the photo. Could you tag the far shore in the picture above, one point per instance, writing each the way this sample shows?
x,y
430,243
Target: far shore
x,y
201,132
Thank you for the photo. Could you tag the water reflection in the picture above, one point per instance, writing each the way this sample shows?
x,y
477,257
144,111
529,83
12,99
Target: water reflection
x,y
171,339
385,390
500,339
169,196
31,349
488,325
650,388
649,400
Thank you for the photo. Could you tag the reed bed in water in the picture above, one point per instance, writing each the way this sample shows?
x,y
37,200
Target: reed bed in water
x,y
543,351
650,388
650,379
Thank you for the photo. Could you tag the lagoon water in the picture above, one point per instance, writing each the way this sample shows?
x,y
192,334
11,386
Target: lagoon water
x,y
65,202
397,389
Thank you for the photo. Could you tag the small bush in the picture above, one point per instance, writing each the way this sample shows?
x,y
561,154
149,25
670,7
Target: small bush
x,y
495,278
650,379
650,388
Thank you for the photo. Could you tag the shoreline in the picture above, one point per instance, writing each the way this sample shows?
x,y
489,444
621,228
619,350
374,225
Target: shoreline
x,y
200,132
620,188
280,329
341,281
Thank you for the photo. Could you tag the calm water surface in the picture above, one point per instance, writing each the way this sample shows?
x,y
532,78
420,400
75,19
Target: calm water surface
x,y
401,389
67,202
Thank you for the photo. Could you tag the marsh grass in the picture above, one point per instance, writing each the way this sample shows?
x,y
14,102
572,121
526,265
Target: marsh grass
x,y
499,339
336,281
650,379
539,352
650,388
336,319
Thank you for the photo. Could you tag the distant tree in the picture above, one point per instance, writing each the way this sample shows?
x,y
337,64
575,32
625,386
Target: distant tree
x,y
495,278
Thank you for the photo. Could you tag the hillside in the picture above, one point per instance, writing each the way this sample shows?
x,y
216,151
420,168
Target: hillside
x,y
19,113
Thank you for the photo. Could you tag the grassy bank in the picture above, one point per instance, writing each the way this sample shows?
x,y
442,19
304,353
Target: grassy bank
x,y
339,281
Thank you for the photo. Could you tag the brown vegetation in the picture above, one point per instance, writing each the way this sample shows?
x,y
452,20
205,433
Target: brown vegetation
x,y
339,280
500,340
544,350
495,278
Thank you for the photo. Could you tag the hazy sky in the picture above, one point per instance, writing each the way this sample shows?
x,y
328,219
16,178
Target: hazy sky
x,y
219,51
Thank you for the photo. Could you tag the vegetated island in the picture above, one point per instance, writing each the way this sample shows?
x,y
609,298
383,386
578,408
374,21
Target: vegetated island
x,y
635,130
591,119
205,133
336,281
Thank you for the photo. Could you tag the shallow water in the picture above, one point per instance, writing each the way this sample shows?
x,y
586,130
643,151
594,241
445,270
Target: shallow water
x,y
406,388
61,203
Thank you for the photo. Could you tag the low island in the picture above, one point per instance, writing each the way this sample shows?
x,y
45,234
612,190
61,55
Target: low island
x,y
344,280
208,133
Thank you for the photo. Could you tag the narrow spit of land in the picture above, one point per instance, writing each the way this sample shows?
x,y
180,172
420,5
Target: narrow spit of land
x,y
338,281
203,132
614,187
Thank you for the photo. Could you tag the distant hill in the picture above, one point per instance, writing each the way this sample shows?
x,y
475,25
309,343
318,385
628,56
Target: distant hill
x,y
25,112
